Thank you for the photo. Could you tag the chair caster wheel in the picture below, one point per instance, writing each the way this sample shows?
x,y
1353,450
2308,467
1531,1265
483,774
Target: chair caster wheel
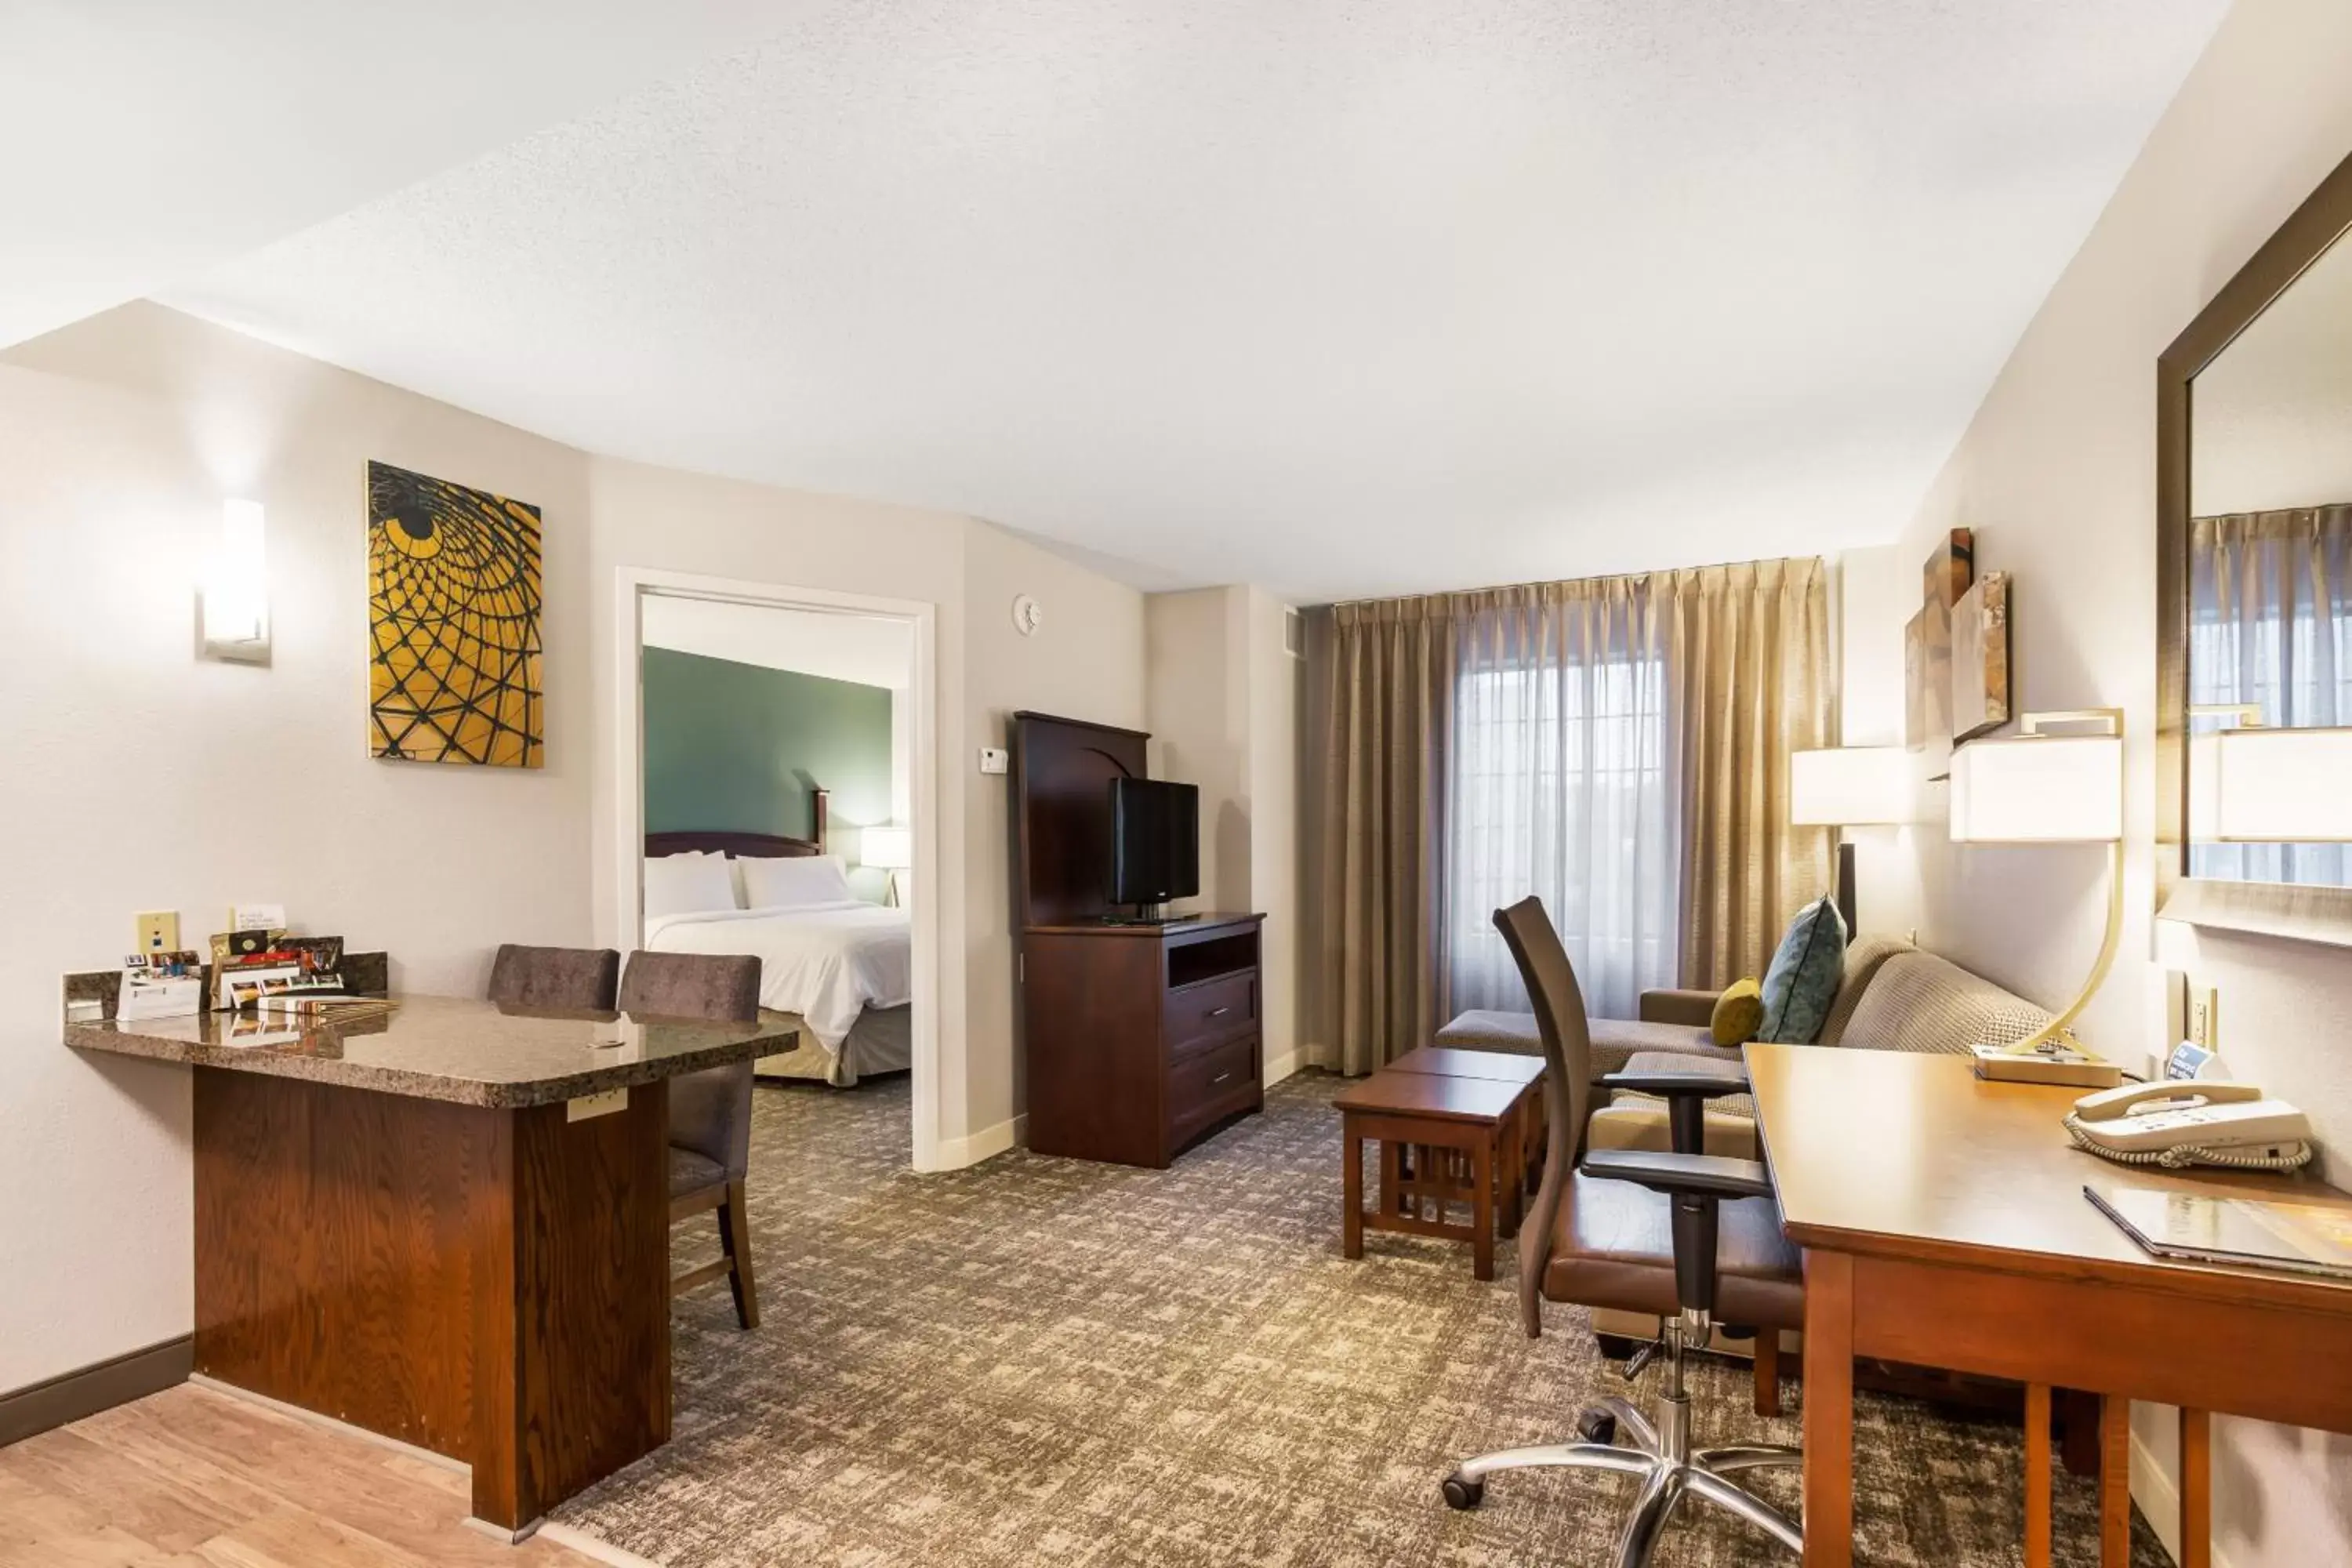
x,y
1597,1427
1462,1494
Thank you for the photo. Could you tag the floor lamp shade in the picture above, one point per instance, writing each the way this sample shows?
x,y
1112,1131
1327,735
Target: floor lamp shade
x,y
1850,786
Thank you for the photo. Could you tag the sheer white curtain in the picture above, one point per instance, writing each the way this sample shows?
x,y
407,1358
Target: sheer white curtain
x,y
1558,784
2270,623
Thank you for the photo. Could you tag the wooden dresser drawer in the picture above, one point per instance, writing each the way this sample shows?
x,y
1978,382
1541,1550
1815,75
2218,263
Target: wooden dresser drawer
x,y
1213,1083
1200,1016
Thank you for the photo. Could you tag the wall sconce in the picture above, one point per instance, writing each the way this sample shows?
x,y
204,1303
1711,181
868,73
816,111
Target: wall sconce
x,y
233,606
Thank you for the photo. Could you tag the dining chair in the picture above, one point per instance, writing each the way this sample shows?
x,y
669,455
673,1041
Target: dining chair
x,y
709,1111
567,977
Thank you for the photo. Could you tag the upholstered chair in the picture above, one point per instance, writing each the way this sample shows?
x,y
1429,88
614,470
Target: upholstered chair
x,y
710,1112
584,978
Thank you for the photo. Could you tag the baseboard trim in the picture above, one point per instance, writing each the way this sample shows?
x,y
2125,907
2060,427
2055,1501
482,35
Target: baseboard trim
x,y
587,1545
103,1385
326,1423
955,1154
1281,1066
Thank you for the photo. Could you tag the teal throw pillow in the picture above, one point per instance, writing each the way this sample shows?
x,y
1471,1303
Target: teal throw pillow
x,y
1803,979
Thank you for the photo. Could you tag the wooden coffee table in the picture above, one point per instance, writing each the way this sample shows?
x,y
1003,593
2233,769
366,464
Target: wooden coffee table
x,y
1442,1142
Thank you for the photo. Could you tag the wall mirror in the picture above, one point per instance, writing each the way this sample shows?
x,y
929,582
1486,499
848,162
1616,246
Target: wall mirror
x,y
2255,576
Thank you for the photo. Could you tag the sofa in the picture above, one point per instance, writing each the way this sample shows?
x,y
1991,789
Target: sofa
x,y
1892,997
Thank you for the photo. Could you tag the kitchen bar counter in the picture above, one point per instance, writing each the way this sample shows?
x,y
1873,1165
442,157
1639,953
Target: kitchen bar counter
x,y
448,1049
449,1224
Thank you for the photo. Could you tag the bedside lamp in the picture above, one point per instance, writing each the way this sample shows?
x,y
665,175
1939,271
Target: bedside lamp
x,y
1849,786
889,848
2040,787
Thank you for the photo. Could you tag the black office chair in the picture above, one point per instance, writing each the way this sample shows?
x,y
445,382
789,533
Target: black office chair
x,y
1683,1236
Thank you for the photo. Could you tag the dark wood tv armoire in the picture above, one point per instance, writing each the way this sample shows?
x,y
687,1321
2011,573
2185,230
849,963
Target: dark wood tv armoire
x,y
1136,1039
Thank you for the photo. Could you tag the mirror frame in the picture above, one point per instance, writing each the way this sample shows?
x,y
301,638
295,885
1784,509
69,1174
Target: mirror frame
x,y
2272,909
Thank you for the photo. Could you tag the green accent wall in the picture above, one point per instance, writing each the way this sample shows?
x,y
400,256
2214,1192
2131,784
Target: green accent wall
x,y
740,746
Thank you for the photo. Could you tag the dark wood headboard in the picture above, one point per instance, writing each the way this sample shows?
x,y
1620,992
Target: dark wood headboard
x,y
746,846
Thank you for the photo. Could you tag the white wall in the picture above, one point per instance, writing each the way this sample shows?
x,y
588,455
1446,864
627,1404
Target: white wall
x,y
138,777
1273,681
1199,714
1223,708
1085,662
2056,474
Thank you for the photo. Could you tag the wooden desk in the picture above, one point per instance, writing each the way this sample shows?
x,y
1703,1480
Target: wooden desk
x,y
421,1225
1943,1223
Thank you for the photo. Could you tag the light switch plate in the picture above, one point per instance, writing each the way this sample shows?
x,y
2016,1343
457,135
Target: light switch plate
x,y
159,931
994,759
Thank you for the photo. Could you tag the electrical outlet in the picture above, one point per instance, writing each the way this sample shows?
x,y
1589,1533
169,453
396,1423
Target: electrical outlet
x,y
2204,1017
159,931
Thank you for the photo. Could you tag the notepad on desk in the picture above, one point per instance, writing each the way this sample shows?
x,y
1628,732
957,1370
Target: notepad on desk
x,y
2234,1232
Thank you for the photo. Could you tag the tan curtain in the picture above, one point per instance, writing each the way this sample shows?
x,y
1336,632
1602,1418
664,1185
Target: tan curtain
x,y
1750,671
1739,654
1388,708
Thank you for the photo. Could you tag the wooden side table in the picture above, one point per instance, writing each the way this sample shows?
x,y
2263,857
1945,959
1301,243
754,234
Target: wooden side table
x,y
1523,1140
1453,1129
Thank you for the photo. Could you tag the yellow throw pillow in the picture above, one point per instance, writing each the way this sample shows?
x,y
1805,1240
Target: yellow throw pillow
x,y
1738,1013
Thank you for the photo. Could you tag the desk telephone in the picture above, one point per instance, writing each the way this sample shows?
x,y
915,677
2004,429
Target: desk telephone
x,y
2174,1124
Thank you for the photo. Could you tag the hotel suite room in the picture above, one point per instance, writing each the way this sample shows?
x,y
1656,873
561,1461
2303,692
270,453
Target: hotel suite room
x,y
1752,601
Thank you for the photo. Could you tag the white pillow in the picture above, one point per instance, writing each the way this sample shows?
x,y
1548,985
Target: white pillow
x,y
777,883
687,884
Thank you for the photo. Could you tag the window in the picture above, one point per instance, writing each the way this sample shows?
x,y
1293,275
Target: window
x,y
1558,787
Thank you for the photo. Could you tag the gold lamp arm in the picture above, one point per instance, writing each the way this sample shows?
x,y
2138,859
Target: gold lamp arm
x,y
2058,1027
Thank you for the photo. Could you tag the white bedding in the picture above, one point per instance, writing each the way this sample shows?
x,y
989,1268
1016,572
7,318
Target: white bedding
x,y
828,963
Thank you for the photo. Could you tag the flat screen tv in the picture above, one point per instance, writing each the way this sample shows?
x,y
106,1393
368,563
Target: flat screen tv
x,y
1155,841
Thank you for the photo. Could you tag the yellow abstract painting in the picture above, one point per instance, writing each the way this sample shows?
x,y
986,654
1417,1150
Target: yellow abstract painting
x,y
453,623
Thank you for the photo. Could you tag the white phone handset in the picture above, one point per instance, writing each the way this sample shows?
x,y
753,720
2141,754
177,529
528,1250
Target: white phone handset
x,y
2192,1123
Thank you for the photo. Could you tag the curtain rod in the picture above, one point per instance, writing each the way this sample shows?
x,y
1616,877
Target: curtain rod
x,y
1553,582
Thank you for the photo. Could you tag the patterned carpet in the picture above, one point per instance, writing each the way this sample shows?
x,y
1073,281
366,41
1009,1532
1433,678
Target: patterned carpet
x,y
1047,1362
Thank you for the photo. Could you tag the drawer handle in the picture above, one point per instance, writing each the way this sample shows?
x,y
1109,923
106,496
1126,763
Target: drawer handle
x,y
1219,1012
1220,1078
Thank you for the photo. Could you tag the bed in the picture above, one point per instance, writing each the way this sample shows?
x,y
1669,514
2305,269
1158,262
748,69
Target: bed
x,y
843,966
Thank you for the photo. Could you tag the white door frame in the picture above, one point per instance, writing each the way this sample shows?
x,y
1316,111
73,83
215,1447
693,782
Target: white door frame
x,y
628,783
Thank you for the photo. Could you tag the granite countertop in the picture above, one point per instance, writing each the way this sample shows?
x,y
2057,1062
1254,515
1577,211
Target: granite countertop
x,y
452,1048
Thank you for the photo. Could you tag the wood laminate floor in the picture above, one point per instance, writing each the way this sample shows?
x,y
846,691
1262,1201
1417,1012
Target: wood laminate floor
x,y
194,1478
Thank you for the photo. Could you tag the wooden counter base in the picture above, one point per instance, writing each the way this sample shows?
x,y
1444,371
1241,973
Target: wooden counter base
x,y
488,1284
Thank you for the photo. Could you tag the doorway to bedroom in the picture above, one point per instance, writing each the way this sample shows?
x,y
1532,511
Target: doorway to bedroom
x,y
777,803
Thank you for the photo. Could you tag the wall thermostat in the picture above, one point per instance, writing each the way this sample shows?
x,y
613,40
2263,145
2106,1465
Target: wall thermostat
x,y
1028,615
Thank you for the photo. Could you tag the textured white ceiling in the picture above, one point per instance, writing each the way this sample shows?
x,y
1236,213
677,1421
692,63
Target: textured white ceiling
x,y
1345,297
141,140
